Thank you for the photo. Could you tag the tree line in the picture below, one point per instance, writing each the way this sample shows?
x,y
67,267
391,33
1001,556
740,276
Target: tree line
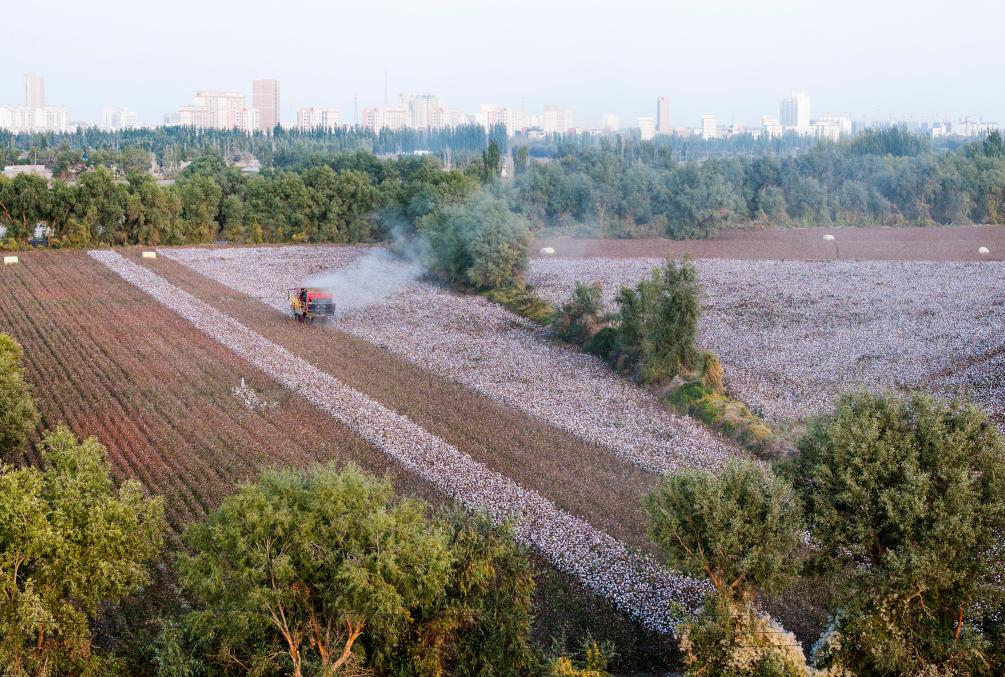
x,y
885,177
69,153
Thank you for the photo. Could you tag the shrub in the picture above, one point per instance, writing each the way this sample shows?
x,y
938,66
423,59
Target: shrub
x,y
740,528
70,545
906,499
18,415
317,571
658,323
602,344
478,242
579,318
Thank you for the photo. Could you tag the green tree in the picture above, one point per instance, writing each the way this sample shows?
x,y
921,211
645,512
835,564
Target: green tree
x,y
490,162
70,545
521,160
24,201
18,415
741,528
290,572
478,242
906,501
579,318
326,572
658,322
200,204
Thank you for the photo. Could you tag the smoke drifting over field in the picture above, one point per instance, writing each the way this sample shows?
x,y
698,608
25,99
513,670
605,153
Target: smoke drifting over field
x,y
370,279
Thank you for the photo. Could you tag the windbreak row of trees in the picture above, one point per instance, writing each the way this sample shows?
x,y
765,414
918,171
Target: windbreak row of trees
x,y
169,147
345,198
889,177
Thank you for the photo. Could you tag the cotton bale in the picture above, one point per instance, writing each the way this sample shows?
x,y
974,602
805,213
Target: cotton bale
x,y
547,251
983,251
149,255
9,260
828,237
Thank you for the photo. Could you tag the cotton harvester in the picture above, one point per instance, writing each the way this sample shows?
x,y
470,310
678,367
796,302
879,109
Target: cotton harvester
x,y
310,304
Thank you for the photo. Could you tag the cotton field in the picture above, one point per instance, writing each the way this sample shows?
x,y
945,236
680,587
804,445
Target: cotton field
x,y
482,346
631,581
794,334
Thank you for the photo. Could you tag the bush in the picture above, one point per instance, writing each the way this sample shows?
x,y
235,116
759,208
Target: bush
x,y
478,242
523,302
658,323
740,528
320,571
18,415
602,344
907,507
70,546
579,318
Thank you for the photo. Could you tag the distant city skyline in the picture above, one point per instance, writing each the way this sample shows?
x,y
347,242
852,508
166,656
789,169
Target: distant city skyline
x,y
217,109
866,60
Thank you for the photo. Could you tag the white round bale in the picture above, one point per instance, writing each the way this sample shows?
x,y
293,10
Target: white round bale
x,y
547,251
983,251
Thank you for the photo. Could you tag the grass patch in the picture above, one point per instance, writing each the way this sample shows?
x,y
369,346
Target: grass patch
x,y
522,301
730,417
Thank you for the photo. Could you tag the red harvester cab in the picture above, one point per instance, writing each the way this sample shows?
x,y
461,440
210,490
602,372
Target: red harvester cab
x,y
308,304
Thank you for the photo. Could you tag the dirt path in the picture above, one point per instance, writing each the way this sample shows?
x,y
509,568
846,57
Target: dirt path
x,y
586,480
936,243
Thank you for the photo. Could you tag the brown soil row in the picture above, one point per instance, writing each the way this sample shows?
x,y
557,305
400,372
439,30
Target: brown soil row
x,y
936,243
588,481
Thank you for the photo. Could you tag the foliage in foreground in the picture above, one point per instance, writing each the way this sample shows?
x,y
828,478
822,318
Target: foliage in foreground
x,y
324,572
18,414
741,528
906,500
70,544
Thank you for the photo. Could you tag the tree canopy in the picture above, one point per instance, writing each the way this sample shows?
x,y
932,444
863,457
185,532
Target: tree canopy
x,y
70,543
906,505
18,414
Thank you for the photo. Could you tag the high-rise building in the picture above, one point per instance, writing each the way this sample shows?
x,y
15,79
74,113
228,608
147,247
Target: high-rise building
x,y
662,115
317,118
647,128
114,119
212,109
34,91
709,127
556,120
610,122
794,111
265,97
248,120
771,127
423,110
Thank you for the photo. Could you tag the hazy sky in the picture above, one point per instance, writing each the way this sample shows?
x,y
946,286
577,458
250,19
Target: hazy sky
x,y
871,59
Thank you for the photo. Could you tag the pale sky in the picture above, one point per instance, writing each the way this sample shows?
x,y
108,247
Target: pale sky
x,y
871,59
